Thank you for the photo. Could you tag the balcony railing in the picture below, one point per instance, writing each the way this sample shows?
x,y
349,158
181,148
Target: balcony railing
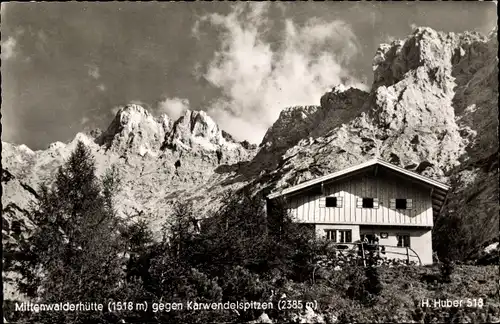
x,y
385,251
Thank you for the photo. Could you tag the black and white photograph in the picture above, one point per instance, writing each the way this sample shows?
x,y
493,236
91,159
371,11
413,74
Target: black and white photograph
x,y
250,162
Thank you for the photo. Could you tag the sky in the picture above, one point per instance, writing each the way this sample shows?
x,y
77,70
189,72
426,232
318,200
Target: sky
x,y
68,67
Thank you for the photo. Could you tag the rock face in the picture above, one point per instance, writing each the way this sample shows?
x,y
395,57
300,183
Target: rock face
x,y
300,123
135,130
432,109
15,220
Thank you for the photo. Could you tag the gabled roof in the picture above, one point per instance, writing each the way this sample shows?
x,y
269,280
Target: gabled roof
x,y
439,189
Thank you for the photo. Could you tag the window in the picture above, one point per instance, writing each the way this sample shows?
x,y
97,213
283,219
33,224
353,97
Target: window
x,y
367,203
339,236
403,240
345,236
401,203
331,234
330,202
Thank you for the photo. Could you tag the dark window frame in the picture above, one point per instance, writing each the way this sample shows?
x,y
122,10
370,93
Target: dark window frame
x,y
401,203
404,240
332,200
345,235
339,235
331,234
368,202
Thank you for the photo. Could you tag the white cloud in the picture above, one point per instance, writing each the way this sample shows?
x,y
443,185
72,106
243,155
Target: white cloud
x,y
144,105
19,31
140,103
93,71
8,48
115,110
101,87
84,120
388,39
173,107
259,79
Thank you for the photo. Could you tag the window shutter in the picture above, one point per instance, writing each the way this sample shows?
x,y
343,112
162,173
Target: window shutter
x,y
321,202
375,202
340,200
359,203
409,203
392,204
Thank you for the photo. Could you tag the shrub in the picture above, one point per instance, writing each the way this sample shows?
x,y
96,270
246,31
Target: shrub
x,y
357,287
447,269
364,283
174,284
372,283
240,284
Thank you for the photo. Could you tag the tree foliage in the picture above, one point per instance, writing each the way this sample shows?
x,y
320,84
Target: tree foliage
x,y
82,251
235,254
76,253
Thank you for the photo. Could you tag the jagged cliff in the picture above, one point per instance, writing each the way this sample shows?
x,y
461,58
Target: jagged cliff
x,y
432,109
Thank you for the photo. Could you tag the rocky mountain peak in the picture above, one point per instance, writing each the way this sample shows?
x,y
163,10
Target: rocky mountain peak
x,y
195,129
131,115
195,133
424,47
307,123
134,129
419,88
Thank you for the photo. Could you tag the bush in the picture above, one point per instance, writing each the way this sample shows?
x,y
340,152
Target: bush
x,y
357,287
175,284
372,283
447,269
364,283
239,284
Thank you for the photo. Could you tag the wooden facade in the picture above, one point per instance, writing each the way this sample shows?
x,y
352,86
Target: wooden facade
x,y
308,207
373,198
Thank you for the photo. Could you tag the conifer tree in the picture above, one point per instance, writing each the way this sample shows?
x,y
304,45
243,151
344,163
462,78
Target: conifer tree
x,y
74,254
